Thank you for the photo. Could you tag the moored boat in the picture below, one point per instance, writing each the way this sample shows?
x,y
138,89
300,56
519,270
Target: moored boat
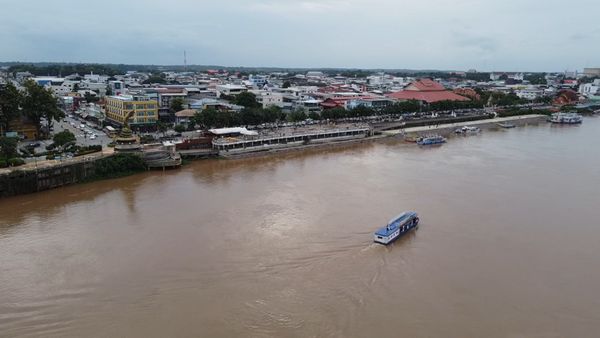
x,y
397,227
566,118
430,140
506,125
466,130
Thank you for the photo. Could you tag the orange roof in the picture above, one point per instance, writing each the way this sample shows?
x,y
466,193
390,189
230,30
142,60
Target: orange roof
x,y
426,90
428,97
425,85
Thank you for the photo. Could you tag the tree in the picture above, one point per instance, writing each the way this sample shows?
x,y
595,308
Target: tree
x,y
62,138
10,98
314,115
176,104
361,111
155,78
271,114
334,113
39,103
286,84
76,87
297,116
180,128
109,91
89,98
246,99
536,78
8,147
161,127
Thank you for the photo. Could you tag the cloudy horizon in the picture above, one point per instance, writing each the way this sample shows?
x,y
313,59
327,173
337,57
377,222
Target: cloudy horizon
x,y
526,35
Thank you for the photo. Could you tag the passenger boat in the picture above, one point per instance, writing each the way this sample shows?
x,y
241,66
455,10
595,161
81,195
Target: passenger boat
x,y
566,118
467,130
506,125
397,227
430,140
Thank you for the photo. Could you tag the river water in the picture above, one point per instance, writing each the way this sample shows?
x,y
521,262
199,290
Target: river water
x,y
509,245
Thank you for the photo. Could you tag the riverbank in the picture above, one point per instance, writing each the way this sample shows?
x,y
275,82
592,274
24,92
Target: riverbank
x,y
408,133
49,174
46,176
448,129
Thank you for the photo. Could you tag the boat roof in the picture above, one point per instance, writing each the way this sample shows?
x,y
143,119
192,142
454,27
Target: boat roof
x,y
395,222
402,217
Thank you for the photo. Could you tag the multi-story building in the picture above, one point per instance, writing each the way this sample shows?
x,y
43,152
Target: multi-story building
x,y
230,89
591,72
145,110
590,89
258,81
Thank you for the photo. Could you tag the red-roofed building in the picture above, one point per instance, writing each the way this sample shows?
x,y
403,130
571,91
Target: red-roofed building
x,y
341,101
426,90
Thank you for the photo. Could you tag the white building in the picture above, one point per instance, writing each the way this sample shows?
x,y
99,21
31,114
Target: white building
x,y
590,89
530,93
230,89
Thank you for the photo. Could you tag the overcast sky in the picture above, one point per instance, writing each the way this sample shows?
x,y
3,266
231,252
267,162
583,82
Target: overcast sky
x,y
519,35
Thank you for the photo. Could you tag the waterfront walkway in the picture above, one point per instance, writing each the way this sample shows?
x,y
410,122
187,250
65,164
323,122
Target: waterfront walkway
x,y
42,164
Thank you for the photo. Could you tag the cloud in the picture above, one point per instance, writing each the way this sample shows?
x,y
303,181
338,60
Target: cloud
x,y
444,34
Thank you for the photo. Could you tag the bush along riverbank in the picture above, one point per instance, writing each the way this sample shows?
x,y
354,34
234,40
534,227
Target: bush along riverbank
x,y
30,180
118,165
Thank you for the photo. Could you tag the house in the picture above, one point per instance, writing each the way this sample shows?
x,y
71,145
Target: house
x,y
184,116
427,91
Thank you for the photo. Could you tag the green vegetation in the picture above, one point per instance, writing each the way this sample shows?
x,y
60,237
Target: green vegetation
x,y
536,78
211,118
8,148
297,116
180,128
15,161
39,102
90,98
155,78
479,77
176,105
62,138
65,69
10,99
246,99
88,150
519,112
118,165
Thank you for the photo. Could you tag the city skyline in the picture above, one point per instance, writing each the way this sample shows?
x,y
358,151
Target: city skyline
x,y
379,34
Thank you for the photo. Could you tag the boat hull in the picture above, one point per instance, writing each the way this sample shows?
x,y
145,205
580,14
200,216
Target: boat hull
x,y
386,236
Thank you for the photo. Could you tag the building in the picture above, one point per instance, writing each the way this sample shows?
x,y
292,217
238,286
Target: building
x,y
530,93
426,90
372,102
591,72
230,90
117,87
590,89
144,109
185,116
22,127
258,81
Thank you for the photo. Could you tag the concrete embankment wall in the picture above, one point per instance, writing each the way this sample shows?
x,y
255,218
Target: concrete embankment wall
x,y
18,182
447,129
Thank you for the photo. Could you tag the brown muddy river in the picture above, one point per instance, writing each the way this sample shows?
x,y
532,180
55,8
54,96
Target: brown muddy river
x,y
508,245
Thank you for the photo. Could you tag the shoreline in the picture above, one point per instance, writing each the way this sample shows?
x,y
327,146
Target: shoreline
x,y
444,129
